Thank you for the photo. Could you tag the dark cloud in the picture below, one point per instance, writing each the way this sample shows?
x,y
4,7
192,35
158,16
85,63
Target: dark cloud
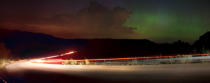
x,y
95,21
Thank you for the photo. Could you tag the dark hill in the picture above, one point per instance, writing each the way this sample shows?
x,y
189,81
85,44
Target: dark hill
x,y
27,44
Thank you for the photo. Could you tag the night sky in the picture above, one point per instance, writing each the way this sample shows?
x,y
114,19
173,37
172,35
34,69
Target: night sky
x,y
157,20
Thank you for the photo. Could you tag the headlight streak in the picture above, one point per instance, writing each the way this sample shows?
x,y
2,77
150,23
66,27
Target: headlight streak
x,y
49,60
41,60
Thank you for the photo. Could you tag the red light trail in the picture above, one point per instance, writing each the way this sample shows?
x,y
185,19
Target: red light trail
x,y
50,60
150,57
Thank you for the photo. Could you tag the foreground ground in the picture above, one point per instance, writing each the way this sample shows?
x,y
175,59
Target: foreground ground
x,y
163,73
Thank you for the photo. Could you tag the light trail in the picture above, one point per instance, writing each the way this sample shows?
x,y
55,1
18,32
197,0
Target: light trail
x,y
50,60
118,72
110,59
68,53
150,57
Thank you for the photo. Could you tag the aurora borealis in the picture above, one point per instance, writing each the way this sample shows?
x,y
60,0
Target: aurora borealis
x,y
171,20
157,20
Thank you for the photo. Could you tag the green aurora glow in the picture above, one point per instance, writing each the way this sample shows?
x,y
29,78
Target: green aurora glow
x,y
167,26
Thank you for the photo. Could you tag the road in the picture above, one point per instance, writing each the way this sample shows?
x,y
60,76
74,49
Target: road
x,y
163,73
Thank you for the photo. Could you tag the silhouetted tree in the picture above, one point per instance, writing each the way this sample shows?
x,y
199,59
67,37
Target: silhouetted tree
x,y
203,43
177,47
182,47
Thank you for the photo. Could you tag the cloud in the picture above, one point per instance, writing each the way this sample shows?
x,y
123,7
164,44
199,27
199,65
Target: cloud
x,y
95,21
